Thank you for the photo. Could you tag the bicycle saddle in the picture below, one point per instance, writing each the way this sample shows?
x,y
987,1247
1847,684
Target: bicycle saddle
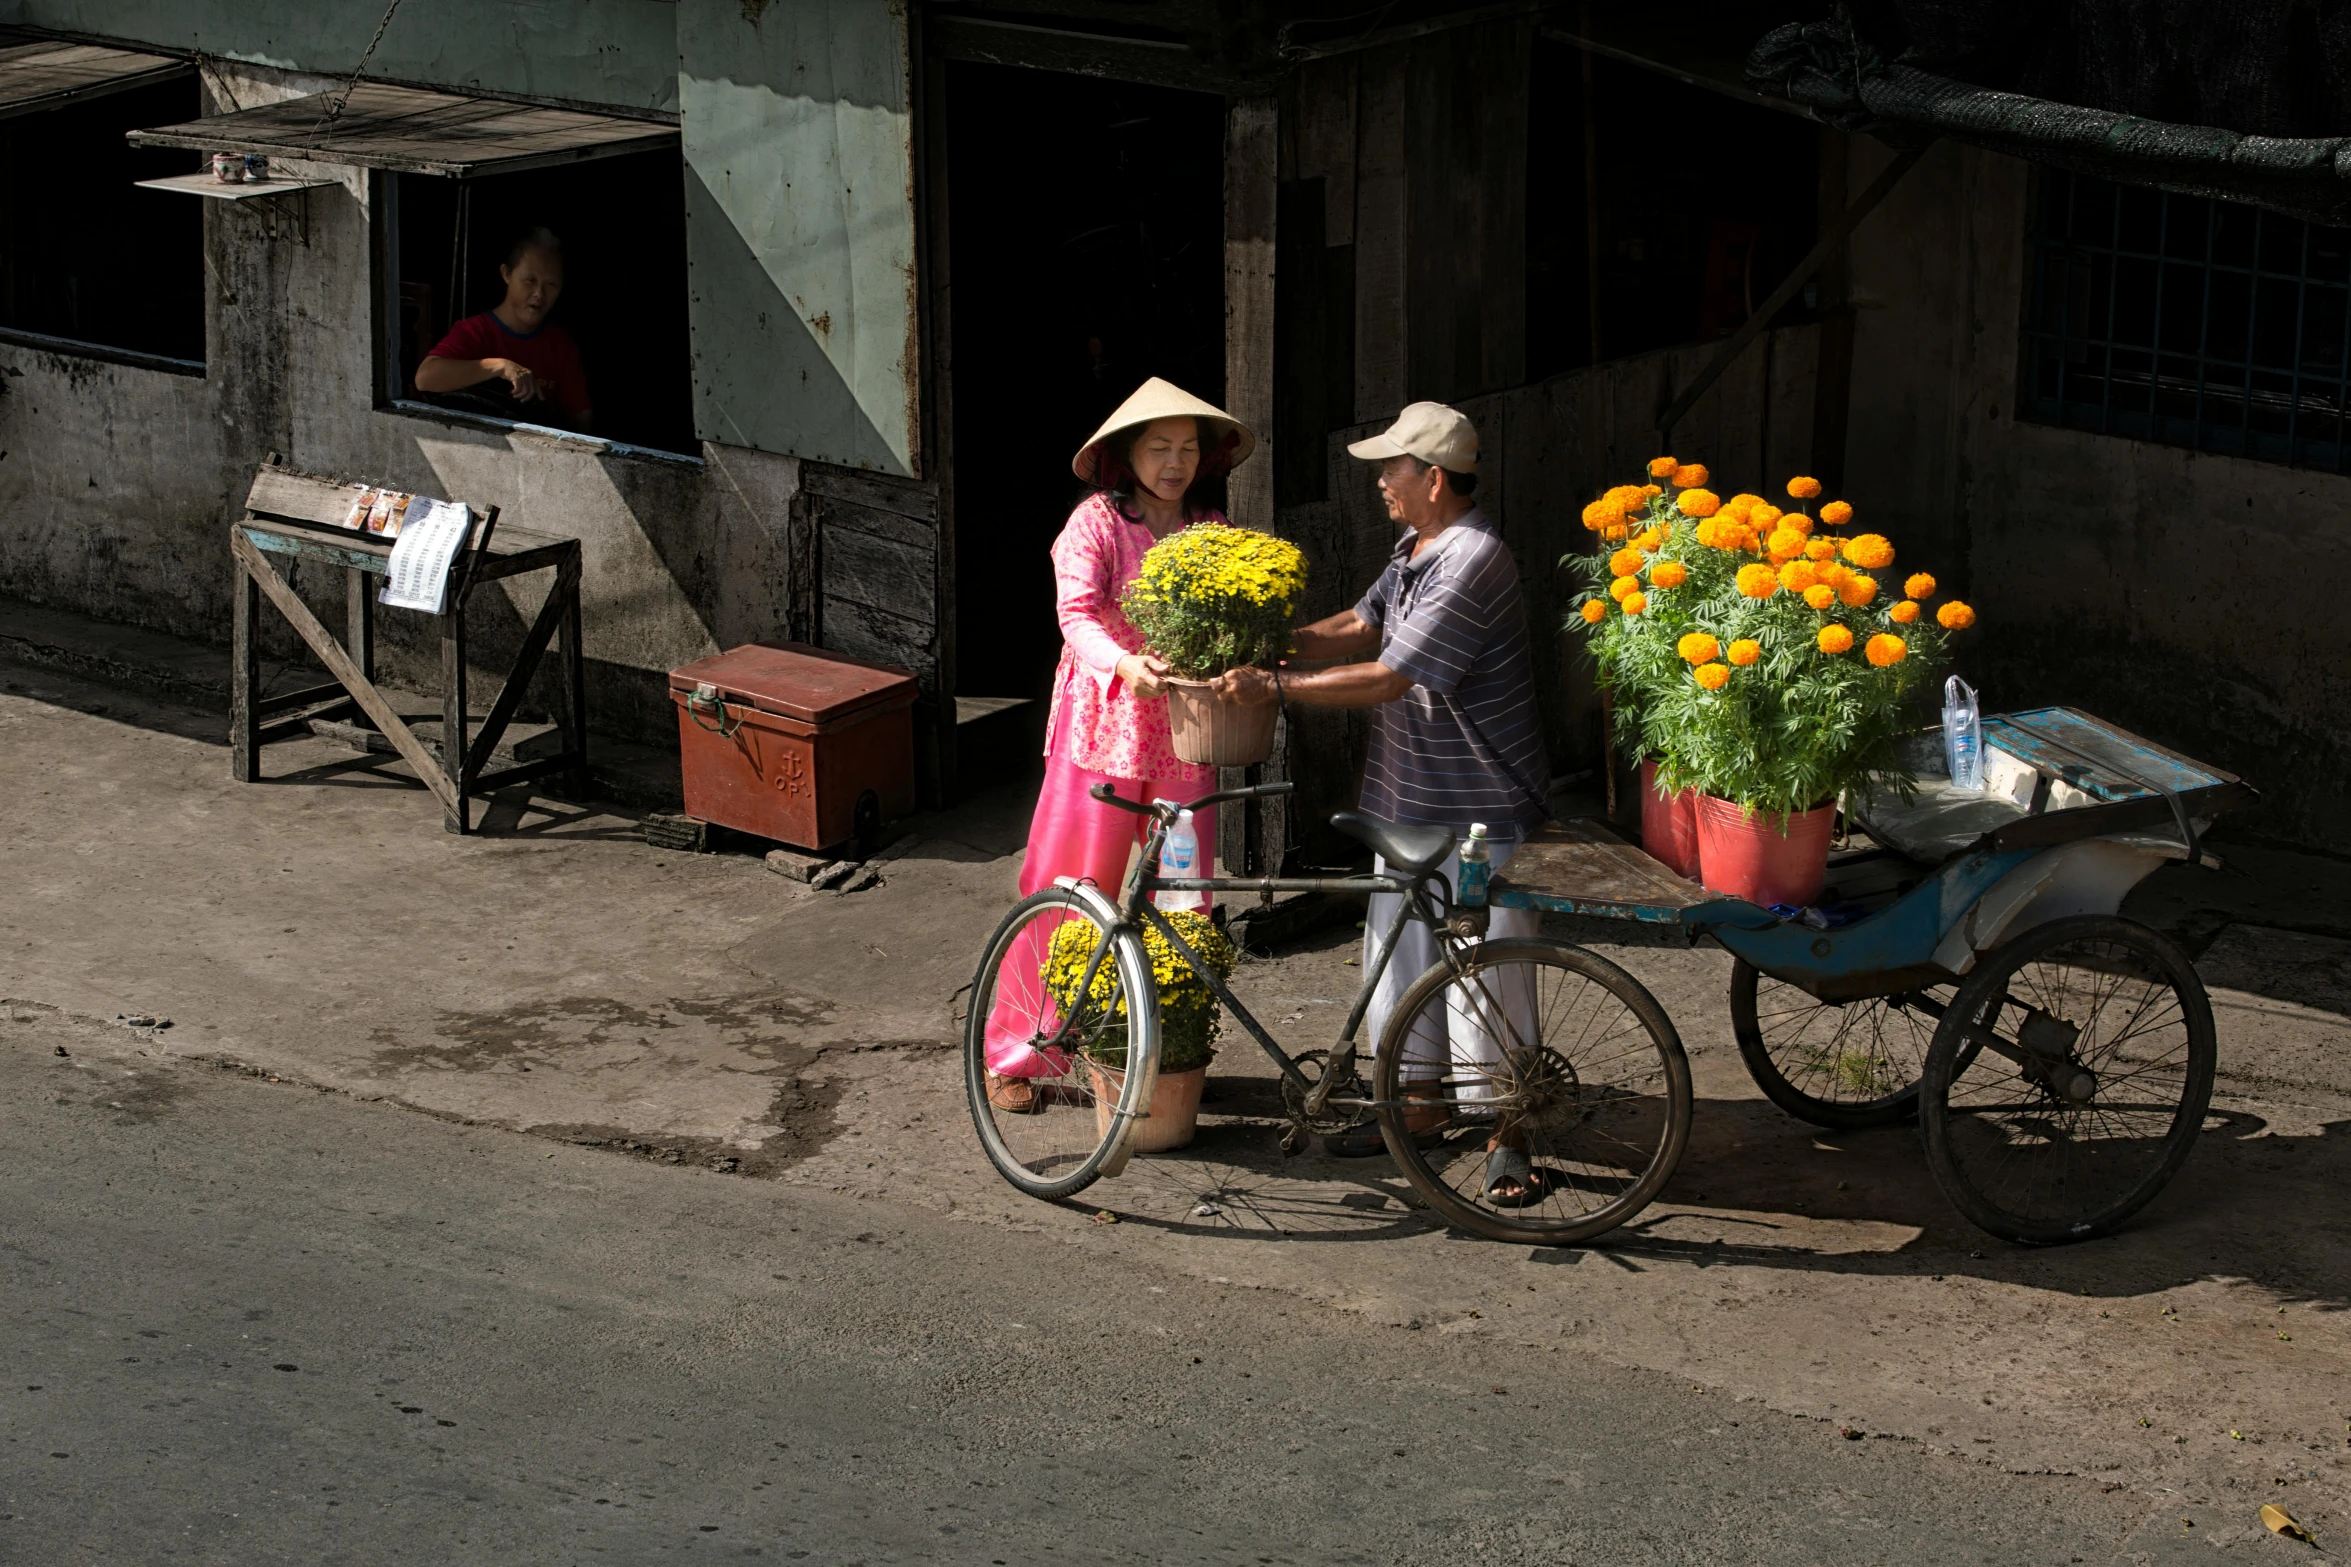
x,y
1405,848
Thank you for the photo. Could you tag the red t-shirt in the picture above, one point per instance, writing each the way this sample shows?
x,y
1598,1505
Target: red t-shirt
x,y
549,353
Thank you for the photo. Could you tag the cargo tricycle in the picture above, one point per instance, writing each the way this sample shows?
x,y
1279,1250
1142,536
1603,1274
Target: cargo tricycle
x,y
1967,965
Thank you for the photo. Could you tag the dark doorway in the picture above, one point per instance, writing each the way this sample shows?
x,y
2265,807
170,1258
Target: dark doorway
x,y
1085,254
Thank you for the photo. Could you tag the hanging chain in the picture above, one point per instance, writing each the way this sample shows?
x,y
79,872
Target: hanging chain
x,y
335,110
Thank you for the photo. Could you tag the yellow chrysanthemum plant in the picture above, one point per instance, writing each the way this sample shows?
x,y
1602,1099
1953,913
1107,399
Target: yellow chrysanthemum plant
x,y
1188,1011
1777,657
1214,597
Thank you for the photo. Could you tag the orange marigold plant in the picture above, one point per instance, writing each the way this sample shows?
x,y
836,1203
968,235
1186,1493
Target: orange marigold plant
x,y
1689,475
1756,588
1662,467
1955,616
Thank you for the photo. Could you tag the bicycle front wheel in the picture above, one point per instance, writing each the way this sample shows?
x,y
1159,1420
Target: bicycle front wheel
x,y
1542,1048
1054,1089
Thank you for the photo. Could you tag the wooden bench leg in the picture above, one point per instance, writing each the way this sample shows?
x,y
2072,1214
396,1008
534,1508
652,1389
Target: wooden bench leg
x,y
359,619
459,818
575,689
244,678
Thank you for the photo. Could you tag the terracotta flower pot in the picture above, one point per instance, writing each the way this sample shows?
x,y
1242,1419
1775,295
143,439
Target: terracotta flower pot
x,y
1770,857
1669,824
1218,734
1175,1106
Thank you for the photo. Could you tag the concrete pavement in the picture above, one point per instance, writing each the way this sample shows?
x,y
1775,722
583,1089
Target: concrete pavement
x,y
560,977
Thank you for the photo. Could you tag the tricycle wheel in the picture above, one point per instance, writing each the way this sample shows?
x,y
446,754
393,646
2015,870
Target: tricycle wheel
x,y
1845,1066
2068,1080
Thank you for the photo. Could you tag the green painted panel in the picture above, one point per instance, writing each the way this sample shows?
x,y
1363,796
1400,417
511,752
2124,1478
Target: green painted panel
x,y
800,228
618,52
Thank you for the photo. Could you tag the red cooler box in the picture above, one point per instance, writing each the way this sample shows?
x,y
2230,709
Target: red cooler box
x,y
794,743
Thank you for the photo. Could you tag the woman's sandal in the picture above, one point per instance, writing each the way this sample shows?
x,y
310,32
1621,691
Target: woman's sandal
x,y
1513,1166
1014,1095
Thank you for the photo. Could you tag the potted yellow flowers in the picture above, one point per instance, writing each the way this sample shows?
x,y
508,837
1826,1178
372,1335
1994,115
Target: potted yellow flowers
x,y
1188,1018
1211,598
1763,659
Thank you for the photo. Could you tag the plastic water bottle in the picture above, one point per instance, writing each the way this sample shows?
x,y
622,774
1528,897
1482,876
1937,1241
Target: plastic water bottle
x,y
1476,868
1179,858
1963,736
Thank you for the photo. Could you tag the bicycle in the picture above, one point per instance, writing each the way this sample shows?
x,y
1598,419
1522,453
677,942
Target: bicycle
x,y
1529,1090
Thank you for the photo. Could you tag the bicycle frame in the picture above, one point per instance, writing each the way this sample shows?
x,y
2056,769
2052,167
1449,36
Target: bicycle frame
x,y
1425,897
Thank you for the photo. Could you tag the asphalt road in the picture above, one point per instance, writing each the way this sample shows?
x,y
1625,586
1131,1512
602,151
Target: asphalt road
x,y
255,1322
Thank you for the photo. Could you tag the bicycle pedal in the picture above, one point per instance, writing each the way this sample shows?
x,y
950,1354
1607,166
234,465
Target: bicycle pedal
x,y
1293,1140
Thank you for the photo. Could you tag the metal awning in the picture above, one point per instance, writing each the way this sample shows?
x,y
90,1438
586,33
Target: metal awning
x,y
416,132
49,75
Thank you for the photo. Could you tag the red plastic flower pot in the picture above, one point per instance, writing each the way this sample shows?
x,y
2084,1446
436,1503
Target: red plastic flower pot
x,y
1669,825
1767,858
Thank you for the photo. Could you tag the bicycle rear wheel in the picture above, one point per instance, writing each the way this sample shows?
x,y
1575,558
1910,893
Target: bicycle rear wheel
x,y
1549,1048
1061,1111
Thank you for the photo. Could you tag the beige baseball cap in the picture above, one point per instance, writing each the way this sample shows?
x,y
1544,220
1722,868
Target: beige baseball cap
x,y
1431,432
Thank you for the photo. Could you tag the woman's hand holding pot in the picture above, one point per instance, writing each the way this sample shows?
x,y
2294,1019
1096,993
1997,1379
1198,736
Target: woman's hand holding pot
x,y
1145,675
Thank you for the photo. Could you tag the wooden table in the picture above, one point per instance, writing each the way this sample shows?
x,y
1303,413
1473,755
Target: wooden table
x,y
298,516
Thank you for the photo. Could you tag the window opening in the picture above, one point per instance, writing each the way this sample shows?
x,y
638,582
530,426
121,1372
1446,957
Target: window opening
x,y
89,258
622,303
2188,322
1703,203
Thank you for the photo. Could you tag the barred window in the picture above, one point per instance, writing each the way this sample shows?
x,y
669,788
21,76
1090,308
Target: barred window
x,y
2197,323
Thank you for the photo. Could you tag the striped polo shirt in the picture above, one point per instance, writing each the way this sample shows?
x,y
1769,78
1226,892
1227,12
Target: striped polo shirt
x,y
1452,622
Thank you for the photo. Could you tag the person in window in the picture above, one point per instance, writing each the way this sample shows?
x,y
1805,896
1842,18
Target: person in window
x,y
515,343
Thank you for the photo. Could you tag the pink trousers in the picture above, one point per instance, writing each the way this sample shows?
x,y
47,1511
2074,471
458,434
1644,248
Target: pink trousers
x,y
1072,834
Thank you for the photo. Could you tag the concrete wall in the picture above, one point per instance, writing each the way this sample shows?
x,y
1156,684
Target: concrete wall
x,y
618,52
2189,597
119,483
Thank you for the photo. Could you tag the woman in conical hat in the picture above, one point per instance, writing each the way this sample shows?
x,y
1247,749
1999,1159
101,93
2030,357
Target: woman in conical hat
x,y
1148,465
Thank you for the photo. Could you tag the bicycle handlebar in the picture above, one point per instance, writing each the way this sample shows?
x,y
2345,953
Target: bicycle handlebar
x,y
1110,796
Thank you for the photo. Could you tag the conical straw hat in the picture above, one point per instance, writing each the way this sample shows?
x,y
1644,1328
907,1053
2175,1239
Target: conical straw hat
x,y
1157,399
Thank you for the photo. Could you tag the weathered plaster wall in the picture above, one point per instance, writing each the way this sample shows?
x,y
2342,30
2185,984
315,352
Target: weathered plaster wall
x,y
618,52
119,483
2192,598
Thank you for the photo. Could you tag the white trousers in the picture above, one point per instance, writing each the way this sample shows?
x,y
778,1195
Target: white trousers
x,y
1464,1032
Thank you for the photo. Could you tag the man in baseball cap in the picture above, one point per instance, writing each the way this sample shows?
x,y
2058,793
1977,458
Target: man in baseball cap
x,y
1455,740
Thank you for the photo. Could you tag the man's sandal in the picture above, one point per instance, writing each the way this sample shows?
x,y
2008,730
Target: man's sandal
x,y
1511,1166
1014,1095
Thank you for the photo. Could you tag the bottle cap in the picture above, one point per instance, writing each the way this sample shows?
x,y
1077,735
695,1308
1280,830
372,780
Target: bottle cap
x,y
1477,829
